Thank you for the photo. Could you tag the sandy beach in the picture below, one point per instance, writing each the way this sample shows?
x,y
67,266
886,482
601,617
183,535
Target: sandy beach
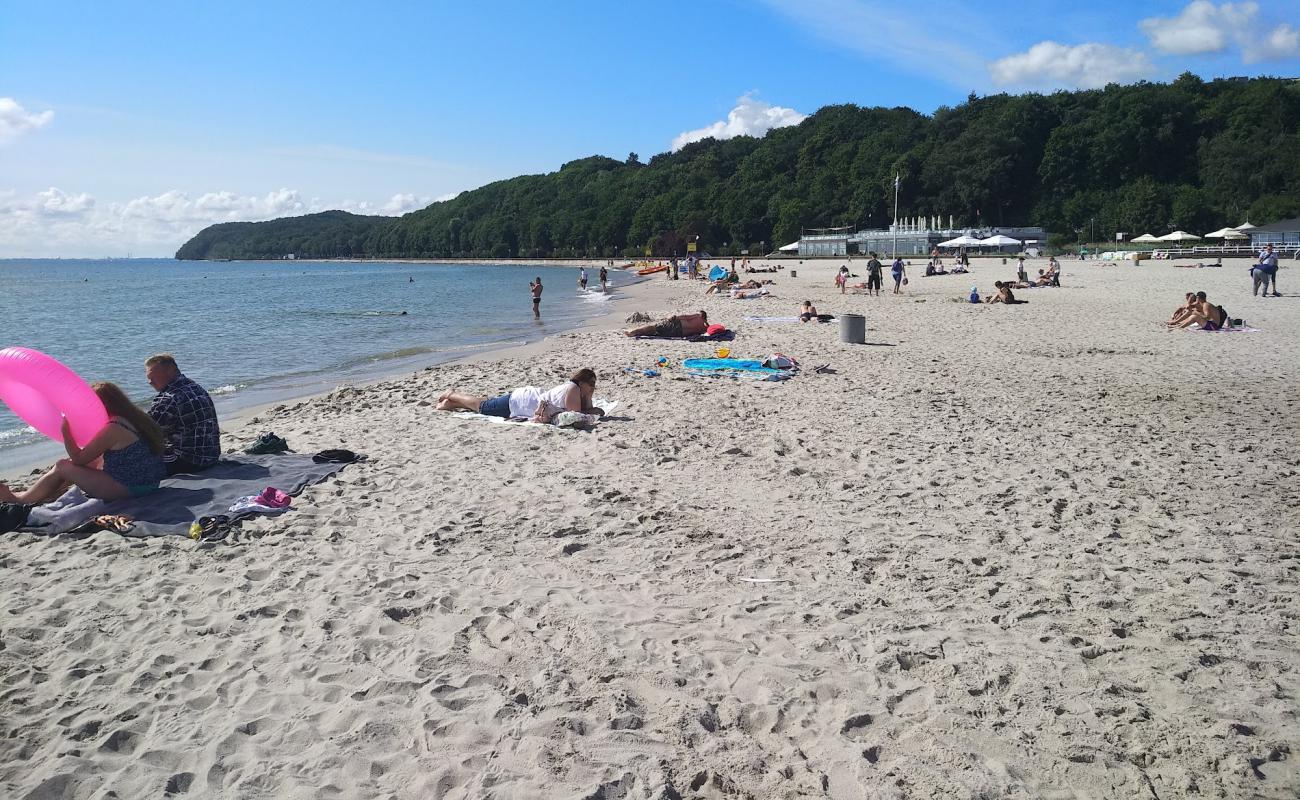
x,y
1039,551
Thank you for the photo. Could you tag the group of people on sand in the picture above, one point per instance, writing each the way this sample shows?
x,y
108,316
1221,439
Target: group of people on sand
x,y
875,276
135,450
1198,310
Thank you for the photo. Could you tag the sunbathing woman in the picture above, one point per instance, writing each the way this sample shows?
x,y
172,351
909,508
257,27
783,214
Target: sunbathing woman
x,y
675,327
131,446
1004,295
535,404
1181,313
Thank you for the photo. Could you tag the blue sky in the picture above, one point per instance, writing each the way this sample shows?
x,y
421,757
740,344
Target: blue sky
x,y
130,126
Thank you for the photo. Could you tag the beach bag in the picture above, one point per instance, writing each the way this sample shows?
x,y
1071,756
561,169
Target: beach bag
x,y
780,361
904,281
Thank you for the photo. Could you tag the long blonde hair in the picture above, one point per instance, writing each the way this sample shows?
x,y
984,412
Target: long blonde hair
x,y
117,404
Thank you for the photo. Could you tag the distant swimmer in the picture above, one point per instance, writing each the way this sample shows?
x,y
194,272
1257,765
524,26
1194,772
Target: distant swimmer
x,y
411,279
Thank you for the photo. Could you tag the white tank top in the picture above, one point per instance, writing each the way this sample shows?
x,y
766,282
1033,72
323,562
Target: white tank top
x,y
525,400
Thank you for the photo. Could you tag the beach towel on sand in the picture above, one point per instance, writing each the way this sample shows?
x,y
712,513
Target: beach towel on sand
x,y
736,368
1239,329
560,420
182,499
761,320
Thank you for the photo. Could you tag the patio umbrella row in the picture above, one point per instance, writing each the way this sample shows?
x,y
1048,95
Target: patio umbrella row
x,y
1184,236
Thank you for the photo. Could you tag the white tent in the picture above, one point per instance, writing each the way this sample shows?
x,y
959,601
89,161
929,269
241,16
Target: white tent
x,y
960,241
1146,237
789,247
1245,226
1226,233
999,241
1179,236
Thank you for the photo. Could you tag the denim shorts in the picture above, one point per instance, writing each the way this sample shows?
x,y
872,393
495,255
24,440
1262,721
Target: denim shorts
x,y
496,406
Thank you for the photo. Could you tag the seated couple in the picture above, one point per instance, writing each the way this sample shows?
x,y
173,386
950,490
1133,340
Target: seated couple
x,y
933,269
124,459
1197,310
1004,295
529,402
675,327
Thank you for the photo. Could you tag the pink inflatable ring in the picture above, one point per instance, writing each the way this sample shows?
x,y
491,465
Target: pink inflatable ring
x,y
42,391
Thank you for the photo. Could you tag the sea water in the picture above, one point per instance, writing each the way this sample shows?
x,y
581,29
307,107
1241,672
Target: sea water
x,y
257,331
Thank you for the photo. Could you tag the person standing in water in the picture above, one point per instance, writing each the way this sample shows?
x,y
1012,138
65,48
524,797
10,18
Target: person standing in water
x,y
536,288
604,279
582,279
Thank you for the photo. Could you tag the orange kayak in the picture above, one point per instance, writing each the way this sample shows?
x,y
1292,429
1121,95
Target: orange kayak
x,y
652,270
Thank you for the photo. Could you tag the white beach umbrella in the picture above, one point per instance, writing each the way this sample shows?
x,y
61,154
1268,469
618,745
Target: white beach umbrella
x,y
960,241
789,247
999,241
1245,226
1226,233
1146,237
1179,236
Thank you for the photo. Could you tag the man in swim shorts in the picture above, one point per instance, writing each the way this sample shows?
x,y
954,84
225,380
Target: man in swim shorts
x,y
536,288
184,411
675,327
875,272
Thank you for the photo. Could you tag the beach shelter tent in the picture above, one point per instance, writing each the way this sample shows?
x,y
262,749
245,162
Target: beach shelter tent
x,y
960,241
789,248
1226,233
1245,226
1146,237
1179,236
717,273
999,241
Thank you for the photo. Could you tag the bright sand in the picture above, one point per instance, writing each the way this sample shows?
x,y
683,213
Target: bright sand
x,y
1035,551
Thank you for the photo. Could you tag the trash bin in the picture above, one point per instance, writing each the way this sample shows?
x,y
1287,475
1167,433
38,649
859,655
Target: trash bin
x,y
853,328
794,273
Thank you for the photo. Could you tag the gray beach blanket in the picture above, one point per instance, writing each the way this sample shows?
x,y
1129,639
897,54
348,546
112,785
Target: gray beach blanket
x,y
182,499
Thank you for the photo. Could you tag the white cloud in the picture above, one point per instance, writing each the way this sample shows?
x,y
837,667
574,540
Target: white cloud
x,y
16,120
1084,66
1283,42
56,223
750,117
1201,27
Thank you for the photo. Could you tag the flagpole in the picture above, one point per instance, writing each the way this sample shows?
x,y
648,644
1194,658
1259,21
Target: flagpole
x,y
895,225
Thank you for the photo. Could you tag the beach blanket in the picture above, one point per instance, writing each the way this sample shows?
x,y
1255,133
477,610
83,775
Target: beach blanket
x,y
725,336
735,368
1240,329
607,406
182,499
748,294
766,320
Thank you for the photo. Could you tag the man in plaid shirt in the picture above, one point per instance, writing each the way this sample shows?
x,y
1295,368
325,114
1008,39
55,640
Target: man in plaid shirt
x,y
184,411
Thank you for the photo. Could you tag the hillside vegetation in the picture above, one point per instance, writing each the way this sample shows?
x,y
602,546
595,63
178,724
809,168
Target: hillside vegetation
x,y
1145,158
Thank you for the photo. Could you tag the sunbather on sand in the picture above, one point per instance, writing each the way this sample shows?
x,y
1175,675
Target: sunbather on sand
x,y
807,311
1180,313
674,327
1209,317
536,404
1004,295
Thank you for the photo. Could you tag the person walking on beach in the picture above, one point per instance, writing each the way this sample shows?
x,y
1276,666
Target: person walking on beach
x,y
536,288
1265,272
899,274
875,275
604,279
184,411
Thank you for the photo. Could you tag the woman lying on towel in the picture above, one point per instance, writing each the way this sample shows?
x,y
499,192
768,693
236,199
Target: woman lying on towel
x,y
130,446
675,327
530,402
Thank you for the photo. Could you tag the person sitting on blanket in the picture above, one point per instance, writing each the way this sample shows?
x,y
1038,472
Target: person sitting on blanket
x,y
807,311
531,402
675,327
1180,313
131,448
1209,317
1004,295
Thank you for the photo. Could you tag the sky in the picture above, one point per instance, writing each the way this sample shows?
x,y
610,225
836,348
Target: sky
x,y
127,127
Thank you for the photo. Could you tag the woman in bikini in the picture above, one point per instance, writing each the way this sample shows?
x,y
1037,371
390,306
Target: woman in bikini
x,y
130,447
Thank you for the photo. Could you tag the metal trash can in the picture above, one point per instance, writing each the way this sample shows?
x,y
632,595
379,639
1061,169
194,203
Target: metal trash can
x,y
794,273
853,328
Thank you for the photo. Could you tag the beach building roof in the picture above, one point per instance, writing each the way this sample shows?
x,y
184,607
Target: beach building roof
x,y
1285,226
1178,236
1146,237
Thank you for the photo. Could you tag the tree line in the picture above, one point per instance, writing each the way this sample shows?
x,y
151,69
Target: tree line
x,y
1141,158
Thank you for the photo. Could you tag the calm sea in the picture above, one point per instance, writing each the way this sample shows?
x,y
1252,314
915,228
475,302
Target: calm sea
x,y
254,332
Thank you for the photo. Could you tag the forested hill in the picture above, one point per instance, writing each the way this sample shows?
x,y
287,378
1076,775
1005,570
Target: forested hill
x,y
1145,158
